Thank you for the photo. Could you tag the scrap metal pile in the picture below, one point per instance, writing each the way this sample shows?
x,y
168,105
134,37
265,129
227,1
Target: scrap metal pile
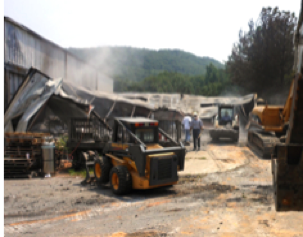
x,y
23,154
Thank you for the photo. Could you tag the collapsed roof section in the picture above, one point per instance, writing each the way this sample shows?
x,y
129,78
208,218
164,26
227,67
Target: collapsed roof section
x,y
187,104
38,100
43,104
109,105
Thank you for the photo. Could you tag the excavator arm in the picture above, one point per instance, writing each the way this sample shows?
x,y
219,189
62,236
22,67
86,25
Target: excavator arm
x,y
287,159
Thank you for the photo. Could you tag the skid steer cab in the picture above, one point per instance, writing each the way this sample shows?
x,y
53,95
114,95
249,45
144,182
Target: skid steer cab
x,y
134,159
226,124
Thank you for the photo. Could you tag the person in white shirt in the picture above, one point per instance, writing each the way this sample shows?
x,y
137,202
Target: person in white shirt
x,y
186,122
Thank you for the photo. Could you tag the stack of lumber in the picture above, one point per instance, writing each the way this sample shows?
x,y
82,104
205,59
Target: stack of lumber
x,y
23,154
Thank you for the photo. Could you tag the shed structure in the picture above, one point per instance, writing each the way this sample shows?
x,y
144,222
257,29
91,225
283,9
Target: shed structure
x,y
23,49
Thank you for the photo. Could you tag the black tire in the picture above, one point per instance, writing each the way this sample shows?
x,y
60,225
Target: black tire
x,y
124,185
102,168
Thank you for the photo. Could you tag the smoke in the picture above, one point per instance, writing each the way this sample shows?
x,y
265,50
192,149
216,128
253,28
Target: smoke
x,y
101,66
276,99
233,91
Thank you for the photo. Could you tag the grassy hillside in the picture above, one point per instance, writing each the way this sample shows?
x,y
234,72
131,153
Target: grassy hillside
x,y
133,64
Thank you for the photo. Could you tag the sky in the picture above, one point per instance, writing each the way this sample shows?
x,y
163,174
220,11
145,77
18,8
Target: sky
x,y
204,28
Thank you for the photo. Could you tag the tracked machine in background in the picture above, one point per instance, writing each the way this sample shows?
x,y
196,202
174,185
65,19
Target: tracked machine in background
x,y
226,124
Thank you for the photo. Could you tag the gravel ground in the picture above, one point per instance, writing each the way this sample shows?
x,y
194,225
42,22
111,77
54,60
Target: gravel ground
x,y
234,200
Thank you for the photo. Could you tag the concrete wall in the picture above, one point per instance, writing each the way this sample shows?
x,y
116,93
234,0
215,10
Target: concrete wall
x,y
24,48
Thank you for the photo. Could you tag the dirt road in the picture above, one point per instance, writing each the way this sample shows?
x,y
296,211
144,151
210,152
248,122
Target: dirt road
x,y
228,194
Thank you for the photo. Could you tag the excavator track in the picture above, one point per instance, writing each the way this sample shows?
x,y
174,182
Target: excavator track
x,y
287,162
262,143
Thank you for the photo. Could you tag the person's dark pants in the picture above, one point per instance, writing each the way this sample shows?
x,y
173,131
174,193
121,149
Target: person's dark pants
x,y
196,133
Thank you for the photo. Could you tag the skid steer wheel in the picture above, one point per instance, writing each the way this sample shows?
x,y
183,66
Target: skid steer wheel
x,y
102,168
120,180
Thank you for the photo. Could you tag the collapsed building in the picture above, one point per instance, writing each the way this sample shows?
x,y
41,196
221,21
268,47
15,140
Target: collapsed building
x,y
43,104
36,102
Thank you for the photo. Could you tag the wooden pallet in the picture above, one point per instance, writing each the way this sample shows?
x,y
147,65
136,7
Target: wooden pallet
x,y
13,134
15,141
18,145
22,153
18,175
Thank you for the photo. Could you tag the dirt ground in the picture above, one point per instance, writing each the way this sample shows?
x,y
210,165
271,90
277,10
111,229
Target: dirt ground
x,y
225,190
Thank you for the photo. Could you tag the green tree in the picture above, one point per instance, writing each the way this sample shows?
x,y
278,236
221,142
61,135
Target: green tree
x,y
263,57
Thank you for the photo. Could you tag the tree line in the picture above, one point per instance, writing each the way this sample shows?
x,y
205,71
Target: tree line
x,y
263,57
212,83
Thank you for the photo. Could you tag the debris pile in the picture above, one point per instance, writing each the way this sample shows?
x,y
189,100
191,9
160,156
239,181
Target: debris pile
x,y
23,154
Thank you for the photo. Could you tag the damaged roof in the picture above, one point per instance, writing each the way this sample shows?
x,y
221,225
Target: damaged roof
x,y
40,94
205,106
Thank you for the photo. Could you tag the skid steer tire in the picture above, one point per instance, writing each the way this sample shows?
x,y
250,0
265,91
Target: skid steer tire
x,y
102,168
120,180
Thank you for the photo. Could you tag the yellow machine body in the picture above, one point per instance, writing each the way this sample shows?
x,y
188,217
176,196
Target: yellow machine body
x,y
273,118
137,181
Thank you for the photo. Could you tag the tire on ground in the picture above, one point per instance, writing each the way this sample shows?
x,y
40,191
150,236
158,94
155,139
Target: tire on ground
x,y
120,180
102,168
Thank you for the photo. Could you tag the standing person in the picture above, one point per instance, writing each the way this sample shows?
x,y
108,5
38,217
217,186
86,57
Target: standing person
x,y
196,125
186,122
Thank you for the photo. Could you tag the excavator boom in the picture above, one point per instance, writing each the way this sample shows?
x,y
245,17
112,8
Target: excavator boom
x,y
287,159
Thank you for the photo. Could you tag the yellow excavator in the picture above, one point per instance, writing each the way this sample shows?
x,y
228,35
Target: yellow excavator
x,y
268,125
277,132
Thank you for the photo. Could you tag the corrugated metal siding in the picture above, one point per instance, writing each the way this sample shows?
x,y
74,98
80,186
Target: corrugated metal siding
x,y
5,91
12,81
24,49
